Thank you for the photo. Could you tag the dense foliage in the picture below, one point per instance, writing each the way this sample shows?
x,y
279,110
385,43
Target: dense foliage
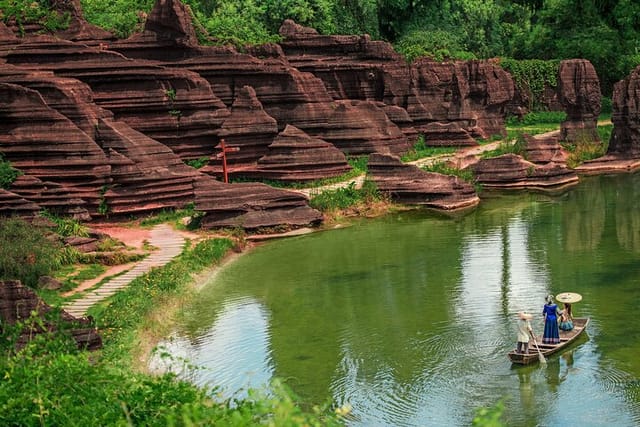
x,y
605,32
26,253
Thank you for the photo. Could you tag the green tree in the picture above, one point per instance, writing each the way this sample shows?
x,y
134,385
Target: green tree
x,y
121,17
317,14
576,29
356,17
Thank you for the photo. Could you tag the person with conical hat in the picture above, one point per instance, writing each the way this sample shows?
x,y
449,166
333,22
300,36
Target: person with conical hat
x,y
524,331
550,312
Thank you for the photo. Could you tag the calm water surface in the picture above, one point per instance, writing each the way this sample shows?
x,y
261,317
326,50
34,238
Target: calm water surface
x,y
409,318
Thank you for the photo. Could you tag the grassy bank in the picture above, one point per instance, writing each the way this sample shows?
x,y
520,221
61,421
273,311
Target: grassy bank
x,y
50,382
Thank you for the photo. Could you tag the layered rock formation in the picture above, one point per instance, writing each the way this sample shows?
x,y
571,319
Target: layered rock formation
x,y
249,129
63,166
544,149
17,303
83,160
409,184
625,138
473,95
295,156
623,152
139,107
450,103
95,164
175,107
510,171
251,206
579,94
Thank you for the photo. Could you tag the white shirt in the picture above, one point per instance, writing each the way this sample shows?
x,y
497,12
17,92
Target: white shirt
x,y
524,328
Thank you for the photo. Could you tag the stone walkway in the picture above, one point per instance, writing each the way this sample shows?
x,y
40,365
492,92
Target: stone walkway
x,y
163,237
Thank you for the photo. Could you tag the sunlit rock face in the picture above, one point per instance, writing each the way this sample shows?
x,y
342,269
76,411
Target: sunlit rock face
x,y
251,206
579,94
409,184
351,66
248,129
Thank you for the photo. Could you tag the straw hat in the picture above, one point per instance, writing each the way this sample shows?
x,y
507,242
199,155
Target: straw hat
x,y
525,316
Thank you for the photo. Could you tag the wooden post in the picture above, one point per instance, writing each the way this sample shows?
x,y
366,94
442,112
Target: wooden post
x,y
223,155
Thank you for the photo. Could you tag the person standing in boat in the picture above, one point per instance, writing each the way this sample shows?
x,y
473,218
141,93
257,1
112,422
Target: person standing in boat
x,y
524,331
550,312
566,318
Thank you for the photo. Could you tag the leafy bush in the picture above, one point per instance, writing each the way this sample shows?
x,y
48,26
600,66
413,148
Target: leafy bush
x,y
581,151
8,173
50,382
25,251
198,163
121,17
174,216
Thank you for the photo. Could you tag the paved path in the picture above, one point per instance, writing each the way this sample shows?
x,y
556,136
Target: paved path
x,y
425,161
163,237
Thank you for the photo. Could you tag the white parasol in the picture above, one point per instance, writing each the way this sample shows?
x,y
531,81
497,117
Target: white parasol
x,y
569,297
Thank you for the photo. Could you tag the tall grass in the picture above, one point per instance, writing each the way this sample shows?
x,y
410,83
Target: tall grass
x,y
345,197
515,146
420,150
67,227
581,151
443,168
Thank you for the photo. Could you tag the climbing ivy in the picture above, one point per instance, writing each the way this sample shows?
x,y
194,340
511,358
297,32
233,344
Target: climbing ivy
x,y
531,76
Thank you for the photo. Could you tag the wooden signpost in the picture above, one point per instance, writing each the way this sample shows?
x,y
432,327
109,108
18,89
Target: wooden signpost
x,y
223,155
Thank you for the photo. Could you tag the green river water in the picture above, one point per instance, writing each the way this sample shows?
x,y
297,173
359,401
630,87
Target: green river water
x,y
408,318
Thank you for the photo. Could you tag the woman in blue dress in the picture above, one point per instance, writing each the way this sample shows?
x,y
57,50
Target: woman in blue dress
x,y
550,311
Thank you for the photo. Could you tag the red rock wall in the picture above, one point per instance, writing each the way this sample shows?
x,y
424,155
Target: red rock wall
x,y
625,138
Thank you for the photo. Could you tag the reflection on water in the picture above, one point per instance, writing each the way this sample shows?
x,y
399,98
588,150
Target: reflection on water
x,y
409,318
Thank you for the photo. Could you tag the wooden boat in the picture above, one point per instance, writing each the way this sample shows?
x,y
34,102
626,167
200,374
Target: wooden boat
x,y
566,338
